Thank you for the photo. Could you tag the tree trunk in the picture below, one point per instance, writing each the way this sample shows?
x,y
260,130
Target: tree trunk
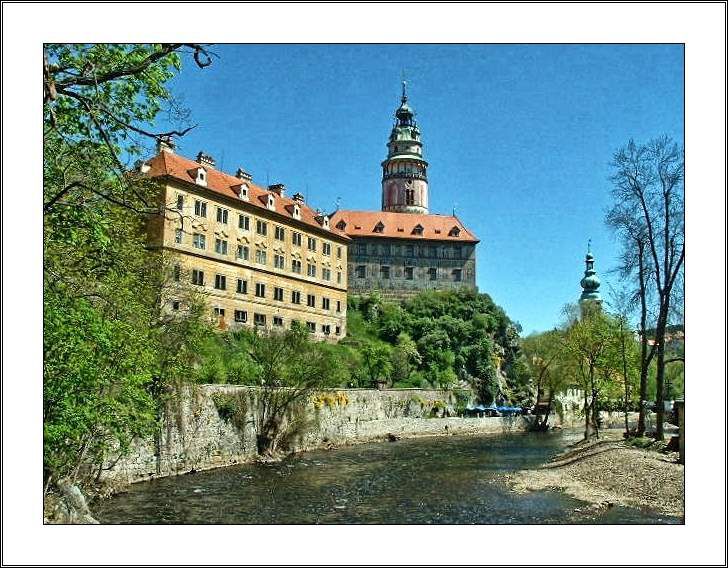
x,y
659,429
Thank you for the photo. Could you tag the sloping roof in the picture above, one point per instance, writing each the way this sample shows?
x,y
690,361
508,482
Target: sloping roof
x,y
401,226
181,168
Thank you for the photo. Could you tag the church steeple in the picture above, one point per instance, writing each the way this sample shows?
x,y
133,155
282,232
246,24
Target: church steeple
x,y
590,282
404,172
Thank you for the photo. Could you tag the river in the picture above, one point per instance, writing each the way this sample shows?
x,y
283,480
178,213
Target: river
x,y
452,480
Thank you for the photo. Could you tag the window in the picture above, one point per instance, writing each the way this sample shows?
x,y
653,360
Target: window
x,y
409,272
200,208
433,273
457,252
280,233
338,306
326,273
176,272
222,215
278,294
379,227
221,246
198,277
384,272
296,239
175,305
261,257
409,250
361,271
261,227
326,249
311,269
338,277
457,275
311,244
386,250
325,303
295,297
259,319
180,202
277,321
454,232
219,312
296,266
338,330
243,252
242,287
326,329
259,290
279,261
311,301
361,249
418,229
178,236
198,241
311,326
244,222
241,316
338,252
410,196
220,281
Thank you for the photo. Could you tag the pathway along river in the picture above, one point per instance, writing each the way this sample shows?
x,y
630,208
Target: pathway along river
x,y
419,481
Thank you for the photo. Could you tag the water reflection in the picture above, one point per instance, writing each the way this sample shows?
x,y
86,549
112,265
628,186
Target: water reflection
x,y
435,480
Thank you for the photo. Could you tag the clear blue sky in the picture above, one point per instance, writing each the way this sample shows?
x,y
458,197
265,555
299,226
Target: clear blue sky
x,y
518,137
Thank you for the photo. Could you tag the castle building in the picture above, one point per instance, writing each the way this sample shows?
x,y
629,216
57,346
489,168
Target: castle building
x,y
590,295
404,249
261,258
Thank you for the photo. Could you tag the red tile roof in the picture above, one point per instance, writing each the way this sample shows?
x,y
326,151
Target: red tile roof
x,y
402,226
183,169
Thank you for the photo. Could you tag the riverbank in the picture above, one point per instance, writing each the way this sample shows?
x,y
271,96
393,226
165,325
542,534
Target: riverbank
x,y
608,472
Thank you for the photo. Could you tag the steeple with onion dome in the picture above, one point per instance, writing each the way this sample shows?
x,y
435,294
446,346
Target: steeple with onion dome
x,y
590,283
404,172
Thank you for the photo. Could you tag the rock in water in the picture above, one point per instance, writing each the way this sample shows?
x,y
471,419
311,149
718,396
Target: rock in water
x,y
72,507
392,438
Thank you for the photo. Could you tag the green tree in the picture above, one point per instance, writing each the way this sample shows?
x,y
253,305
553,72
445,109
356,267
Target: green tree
x,y
376,359
543,352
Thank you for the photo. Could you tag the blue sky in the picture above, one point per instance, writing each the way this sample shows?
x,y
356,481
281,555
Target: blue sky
x,y
518,137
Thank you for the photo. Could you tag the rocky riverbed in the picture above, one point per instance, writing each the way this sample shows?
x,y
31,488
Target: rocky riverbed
x,y
609,472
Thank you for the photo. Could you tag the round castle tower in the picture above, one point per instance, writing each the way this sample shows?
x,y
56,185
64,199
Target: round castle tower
x,y
404,172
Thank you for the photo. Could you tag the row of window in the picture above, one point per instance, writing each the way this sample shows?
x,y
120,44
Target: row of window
x,y
261,228
385,273
261,256
198,279
241,316
425,251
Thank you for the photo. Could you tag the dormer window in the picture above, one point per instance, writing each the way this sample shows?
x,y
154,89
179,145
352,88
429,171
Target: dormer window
x,y
200,176
271,202
326,222
454,232
341,225
379,227
243,191
296,212
418,229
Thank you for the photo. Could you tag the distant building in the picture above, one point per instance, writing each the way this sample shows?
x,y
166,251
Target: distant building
x,y
262,259
404,249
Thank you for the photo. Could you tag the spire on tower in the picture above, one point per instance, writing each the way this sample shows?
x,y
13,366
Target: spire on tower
x,y
590,282
404,91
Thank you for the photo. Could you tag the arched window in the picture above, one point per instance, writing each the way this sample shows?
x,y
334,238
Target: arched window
x,y
410,196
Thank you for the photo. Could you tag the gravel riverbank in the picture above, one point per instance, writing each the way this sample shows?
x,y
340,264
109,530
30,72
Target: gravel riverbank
x,y
609,472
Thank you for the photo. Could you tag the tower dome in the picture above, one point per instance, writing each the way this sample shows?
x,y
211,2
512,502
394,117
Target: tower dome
x,y
590,282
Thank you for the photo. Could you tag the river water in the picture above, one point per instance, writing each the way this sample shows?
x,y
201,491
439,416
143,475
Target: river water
x,y
421,481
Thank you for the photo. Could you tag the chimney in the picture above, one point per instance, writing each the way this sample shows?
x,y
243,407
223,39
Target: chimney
x,y
165,143
205,160
243,175
298,198
277,188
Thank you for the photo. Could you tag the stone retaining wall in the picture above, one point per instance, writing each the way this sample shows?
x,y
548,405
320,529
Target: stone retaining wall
x,y
197,437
